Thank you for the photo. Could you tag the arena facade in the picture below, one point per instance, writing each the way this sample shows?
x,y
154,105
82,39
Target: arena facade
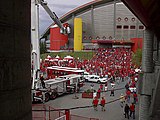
x,y
106,23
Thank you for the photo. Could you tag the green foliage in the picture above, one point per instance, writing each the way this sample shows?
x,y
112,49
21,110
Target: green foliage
x,y
81,55
88,91
42,47
137,57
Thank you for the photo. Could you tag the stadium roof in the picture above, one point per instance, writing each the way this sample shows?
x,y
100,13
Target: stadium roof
x,y
80,9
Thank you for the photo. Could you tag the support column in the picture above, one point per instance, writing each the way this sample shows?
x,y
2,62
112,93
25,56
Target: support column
x,y
114,20
147,58
15,62
147,68
92,21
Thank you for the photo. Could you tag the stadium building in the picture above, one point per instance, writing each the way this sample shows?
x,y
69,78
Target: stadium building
x,y
97,24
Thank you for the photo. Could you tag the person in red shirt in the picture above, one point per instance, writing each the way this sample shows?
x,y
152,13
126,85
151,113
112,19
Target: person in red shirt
x,y
135,97
128,93
132,110
99,93
101,87
103,102
95,103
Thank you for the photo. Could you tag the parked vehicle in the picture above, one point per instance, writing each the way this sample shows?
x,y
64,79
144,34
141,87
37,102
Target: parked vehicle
x,y
85,75
95,78
56,87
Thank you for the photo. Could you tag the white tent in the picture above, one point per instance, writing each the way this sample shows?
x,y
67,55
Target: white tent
x,y
68,57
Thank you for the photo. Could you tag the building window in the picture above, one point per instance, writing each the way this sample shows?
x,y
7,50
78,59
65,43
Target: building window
x,y
110,37
141,27
84,38
133,19
90,37
126,19
118,19
132,27
97,37
104,37
125,27
119,26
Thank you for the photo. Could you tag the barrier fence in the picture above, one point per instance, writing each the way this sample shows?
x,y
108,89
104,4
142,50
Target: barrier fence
x,y
46,112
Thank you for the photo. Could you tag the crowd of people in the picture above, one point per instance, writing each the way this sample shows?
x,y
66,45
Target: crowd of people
x,y
107,62
113,63
128,99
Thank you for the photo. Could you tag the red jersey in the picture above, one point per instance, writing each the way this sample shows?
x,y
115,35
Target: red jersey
x,y
134,95
103,101
132,107
128,92
95,102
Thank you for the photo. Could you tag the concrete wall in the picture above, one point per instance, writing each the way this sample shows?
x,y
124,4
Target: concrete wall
x,y
99,22
15,96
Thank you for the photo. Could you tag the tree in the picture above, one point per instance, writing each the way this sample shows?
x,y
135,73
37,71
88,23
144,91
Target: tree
x,y
42,47
137,57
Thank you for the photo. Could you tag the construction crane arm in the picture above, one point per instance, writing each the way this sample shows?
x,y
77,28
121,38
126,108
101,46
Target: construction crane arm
x,y
51,14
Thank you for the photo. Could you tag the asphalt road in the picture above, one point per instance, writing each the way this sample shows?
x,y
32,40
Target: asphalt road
x,y
113,110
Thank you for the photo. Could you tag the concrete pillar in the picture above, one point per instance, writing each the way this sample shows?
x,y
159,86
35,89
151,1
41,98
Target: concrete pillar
x,y
15,68
147,58
92,22
147,68
144,107
114,20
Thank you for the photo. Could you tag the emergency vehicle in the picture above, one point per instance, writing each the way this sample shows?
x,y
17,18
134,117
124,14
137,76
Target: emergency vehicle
x,y
56,71
56,87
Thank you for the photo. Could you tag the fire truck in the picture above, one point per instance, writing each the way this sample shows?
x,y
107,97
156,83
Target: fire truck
x,y
35,54
56,87
53,71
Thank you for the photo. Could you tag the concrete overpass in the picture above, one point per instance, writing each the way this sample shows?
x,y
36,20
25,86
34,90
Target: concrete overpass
x,y
148,11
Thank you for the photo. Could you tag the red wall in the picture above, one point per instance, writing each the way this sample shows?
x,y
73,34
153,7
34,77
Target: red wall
x,y
57,39
137,43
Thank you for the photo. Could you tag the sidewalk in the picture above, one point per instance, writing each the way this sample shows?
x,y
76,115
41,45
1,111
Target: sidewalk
x,y
113,110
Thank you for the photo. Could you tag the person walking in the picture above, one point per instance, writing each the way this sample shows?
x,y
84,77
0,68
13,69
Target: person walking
x,y
132,110
126,111
99,93
103,102
101,87
106,86
135,97
112,92
42,81
128,93
95,103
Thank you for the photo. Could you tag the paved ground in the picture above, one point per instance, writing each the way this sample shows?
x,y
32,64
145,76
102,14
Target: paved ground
x,y
113,110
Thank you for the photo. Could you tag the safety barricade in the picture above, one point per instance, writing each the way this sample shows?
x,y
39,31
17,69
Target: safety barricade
x,y
38,112
46,112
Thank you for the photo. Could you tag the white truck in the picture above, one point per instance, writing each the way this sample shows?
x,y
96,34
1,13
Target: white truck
x,y
95,78
56,87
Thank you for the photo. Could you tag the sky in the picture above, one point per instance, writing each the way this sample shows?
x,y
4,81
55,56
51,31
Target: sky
x,y
60,7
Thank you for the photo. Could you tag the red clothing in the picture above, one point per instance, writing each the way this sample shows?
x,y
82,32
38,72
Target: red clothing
x,y
134,95
132,107
128,92
103,101
99,91
95,102
101,86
